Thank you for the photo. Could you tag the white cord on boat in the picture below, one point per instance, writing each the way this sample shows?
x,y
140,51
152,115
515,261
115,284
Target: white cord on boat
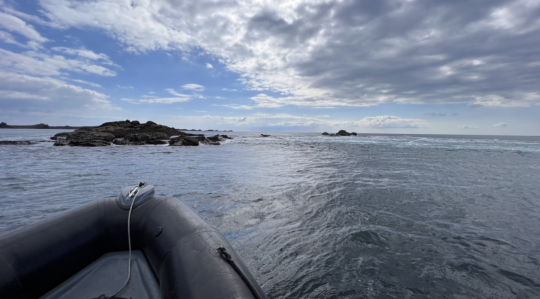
x,y
133,193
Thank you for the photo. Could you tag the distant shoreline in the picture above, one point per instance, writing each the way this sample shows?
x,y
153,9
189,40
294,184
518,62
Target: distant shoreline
x,y
43,128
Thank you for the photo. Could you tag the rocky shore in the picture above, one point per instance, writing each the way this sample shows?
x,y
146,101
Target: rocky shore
x,y
133,133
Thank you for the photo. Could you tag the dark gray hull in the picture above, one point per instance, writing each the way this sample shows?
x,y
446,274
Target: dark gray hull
x,y
178,245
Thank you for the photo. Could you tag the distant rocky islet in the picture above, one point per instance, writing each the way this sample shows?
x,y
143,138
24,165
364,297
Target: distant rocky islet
x,y
341,133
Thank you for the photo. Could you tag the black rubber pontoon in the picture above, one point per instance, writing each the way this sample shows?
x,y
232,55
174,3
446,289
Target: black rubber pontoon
x,y
83,254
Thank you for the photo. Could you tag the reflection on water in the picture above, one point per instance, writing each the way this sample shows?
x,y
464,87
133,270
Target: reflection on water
x,y
322,217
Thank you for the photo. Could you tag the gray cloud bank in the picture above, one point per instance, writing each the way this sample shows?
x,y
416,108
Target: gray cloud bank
x,y
348,53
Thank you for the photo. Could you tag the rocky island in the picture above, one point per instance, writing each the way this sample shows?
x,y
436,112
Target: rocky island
x,y
133,133
341,133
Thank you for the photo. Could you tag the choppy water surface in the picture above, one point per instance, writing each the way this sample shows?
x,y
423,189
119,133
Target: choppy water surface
x,y
323,217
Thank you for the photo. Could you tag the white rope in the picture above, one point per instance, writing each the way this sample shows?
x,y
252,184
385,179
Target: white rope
x,y
133,193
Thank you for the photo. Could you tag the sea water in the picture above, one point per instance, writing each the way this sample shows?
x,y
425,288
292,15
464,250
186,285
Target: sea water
x,y
371,216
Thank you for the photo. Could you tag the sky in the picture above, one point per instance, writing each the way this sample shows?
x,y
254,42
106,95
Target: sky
x,y
386,66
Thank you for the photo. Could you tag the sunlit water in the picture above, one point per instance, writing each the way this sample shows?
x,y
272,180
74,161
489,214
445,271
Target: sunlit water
x,y
323,217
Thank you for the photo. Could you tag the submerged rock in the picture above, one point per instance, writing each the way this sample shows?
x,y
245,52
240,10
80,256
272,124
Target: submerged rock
x,y
264,135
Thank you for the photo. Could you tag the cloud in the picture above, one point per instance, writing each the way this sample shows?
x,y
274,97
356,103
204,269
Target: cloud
x,y
436,114
21,95
467,127
274,120
178,98
124,87
234,106
390,122
229,89
165,100
31,18
500,125
6,37
175,93
39,94
85,54
14,24
209,66
83,82
524,100
340,53
35,63
194,87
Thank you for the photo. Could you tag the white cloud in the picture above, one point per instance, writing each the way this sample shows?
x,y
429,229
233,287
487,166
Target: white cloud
x,y
297,49
9,39
234,106
520,99
85,54
500,124
35,63
178,98
14,24
83,82
20,95
230,89
124,86
375,122
175,93
194,87
31,18
47,93
391,122
165,100
467,127
317,54
209,66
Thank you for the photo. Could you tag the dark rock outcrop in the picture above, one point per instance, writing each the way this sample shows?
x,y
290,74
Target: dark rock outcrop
x,y
264,135
118,132
341,133
61,135
133,133
186,139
